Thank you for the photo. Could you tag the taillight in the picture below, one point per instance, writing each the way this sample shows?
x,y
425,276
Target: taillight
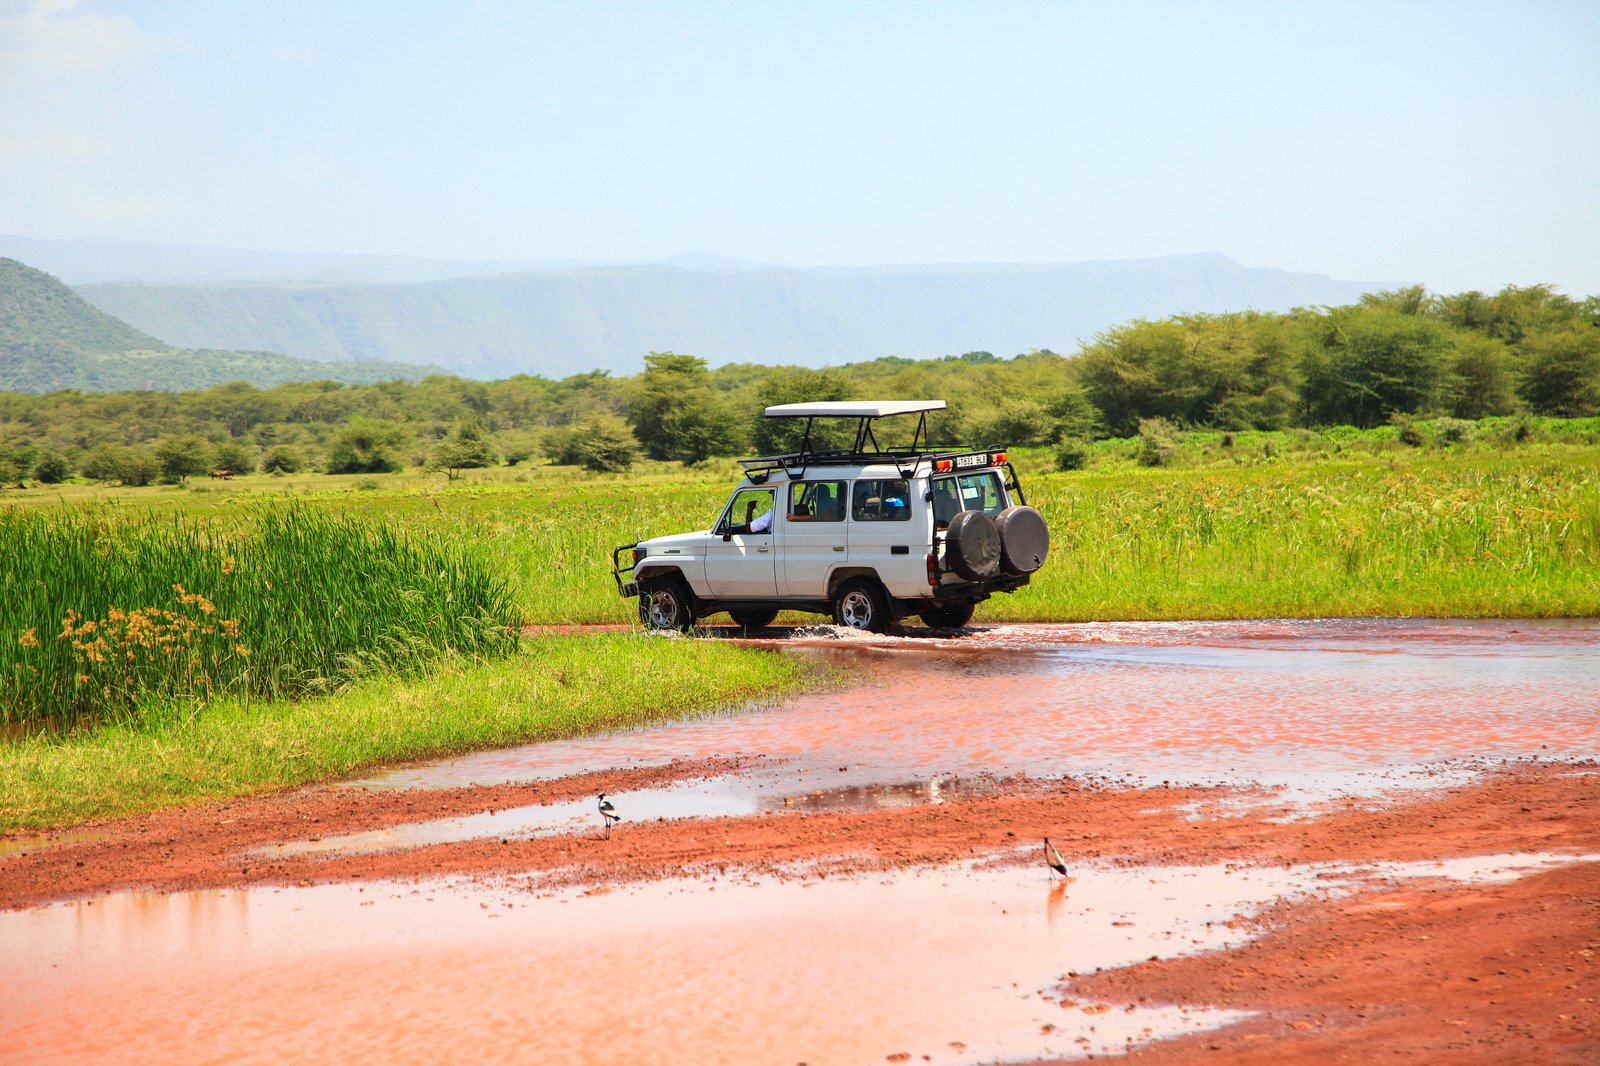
x,y
1000,458
941,465
933,569
638,553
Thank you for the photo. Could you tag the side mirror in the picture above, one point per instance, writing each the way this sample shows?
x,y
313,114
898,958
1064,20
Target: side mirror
x,y
727,535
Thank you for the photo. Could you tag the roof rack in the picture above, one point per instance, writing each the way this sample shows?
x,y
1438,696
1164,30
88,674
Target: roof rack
x,y
865,448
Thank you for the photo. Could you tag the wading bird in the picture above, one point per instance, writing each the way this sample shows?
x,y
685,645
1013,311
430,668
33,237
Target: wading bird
x,y
608,813
1053,859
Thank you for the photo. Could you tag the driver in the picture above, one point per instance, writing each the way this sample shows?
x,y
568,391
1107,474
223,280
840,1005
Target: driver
x,y
754,523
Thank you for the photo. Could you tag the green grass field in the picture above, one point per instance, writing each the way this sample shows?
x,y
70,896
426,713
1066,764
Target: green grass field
x,y
1276,525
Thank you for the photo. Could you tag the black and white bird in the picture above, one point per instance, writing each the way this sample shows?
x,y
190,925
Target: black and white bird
x,y
608,813
1053,859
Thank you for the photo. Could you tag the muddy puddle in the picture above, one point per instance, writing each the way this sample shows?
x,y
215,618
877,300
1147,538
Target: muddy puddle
x,y
1299,711
968,963
945,965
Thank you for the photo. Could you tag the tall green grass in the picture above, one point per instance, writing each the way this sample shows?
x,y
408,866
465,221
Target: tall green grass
x,y
1457,536
117,616
1291,523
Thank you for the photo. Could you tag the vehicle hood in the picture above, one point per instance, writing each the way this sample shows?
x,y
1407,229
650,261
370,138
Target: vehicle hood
x,y
686,543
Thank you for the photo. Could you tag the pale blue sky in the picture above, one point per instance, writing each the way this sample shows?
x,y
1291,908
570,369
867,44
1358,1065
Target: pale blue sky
x,y
1455,144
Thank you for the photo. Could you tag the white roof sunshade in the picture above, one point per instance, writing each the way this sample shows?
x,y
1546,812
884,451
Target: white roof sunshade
x,y
853,408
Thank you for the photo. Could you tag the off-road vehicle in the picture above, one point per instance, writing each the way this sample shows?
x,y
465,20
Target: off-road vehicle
x,y
867,534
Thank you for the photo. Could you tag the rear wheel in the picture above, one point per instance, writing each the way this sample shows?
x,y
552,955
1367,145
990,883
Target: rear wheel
x,y
754,618
664,603
950,616
861,604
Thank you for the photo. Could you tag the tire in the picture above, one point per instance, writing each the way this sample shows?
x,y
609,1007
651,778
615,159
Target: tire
x,y
949,616
861,604
665,604
754,618
1024,539
972,546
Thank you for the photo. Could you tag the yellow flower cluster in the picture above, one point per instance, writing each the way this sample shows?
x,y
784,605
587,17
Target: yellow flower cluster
x,y
147,634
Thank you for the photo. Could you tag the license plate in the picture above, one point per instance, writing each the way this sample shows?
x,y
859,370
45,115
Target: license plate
x,y
972,460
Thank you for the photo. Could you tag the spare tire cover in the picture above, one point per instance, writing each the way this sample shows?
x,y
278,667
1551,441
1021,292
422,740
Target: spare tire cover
x,y
1024,539
972,546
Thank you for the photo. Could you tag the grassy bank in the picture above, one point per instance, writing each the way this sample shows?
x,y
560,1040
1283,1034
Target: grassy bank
x,y
551,688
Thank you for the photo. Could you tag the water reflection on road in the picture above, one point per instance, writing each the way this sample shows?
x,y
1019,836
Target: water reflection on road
x,y
1309,709
956,964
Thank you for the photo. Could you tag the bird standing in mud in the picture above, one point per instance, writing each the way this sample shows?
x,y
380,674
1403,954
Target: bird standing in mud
x,y
1053,859
608,813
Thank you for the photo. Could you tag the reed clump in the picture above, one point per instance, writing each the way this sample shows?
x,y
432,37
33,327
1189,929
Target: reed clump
x,y
120,616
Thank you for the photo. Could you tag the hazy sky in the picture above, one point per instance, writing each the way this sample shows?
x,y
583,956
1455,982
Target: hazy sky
x,y
1455,144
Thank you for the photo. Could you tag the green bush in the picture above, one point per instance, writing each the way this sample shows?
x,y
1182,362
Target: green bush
x,y
51,468
1158,442
124,465
368,446
1072,454
606,444
282,459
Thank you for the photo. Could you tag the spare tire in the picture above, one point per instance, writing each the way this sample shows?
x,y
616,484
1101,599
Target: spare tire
x,y
1024,539
972,545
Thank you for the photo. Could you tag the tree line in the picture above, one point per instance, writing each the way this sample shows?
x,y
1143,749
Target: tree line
x,y
1393,354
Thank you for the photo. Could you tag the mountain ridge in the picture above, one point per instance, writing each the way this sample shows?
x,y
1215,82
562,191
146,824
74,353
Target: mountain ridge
x,y
609,316
50,338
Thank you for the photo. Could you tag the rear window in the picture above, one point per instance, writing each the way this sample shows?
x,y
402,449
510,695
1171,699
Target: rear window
x,y
967,492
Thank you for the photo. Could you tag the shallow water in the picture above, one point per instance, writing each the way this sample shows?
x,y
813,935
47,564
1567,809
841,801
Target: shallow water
x,y
958,964
1308,709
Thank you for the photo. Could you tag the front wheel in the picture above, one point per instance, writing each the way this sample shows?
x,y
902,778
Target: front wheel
x,y
664,604
861,605
950,616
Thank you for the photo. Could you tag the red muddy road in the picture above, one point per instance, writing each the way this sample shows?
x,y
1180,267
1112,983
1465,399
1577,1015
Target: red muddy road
x,y
853,876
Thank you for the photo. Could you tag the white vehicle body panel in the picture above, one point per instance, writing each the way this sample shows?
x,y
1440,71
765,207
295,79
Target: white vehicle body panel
x,y
815,541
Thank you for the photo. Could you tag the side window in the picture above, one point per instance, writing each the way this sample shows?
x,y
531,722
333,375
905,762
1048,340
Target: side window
x,y
946,501
816,501
881,500
750,511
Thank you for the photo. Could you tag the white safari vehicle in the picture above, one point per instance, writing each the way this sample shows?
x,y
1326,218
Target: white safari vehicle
x,y
868,534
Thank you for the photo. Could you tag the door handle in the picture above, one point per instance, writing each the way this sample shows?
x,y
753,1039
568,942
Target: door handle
x,y
763,549
838,547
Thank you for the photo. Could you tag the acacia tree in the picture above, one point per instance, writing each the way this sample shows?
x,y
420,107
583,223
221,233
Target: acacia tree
x,y
675,411
368,446
183,457
1367,363
1561,372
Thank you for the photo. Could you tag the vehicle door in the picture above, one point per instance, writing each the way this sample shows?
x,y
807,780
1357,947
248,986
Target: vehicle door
x,y
883,535
741,561
813,536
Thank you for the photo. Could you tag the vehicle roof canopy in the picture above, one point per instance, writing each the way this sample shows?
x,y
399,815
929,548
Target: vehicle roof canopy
x,y
854,408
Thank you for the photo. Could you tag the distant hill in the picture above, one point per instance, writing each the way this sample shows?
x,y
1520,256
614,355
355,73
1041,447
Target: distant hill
x,y
35,308
50,338
559,322
90,262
